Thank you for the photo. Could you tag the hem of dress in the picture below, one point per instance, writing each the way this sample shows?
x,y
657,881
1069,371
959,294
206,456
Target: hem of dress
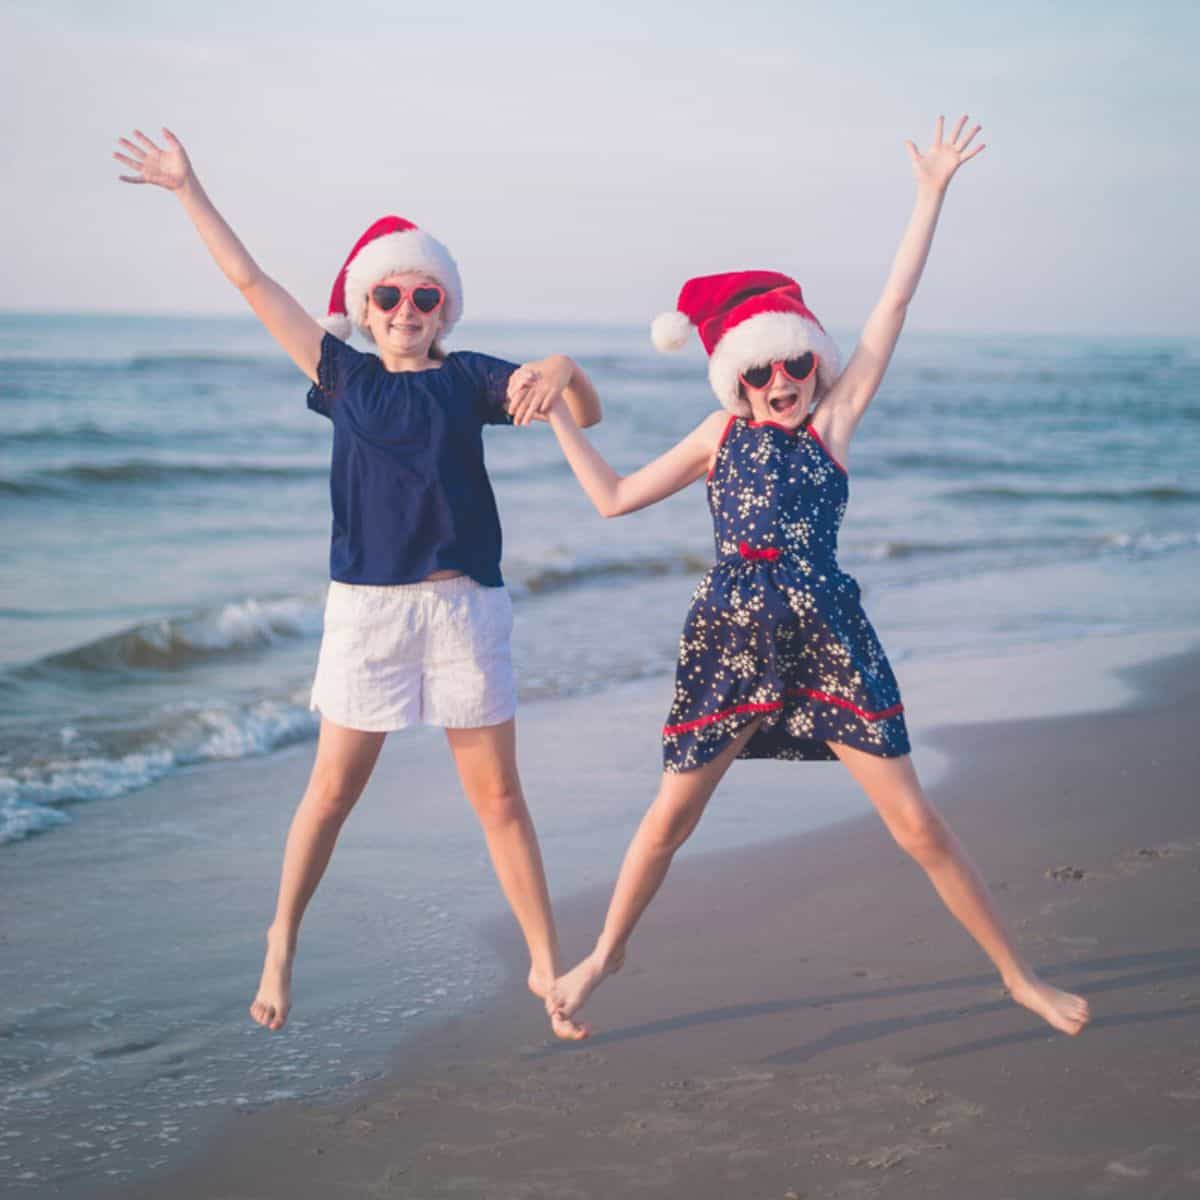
x,y
706,752
828,754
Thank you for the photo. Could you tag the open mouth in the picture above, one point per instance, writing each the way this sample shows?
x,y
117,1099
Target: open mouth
x,y
782,405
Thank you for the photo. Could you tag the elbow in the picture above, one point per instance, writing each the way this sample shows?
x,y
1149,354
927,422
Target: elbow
x,y
248,283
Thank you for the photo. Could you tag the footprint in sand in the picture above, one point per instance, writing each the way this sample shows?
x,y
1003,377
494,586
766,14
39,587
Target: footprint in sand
x,y
1067,874
1131,862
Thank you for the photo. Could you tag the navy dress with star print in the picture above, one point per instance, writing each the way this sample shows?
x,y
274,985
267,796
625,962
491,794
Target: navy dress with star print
x,y
776,629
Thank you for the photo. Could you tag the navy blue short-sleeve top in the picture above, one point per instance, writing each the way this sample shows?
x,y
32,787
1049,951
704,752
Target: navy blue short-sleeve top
x,y
408,485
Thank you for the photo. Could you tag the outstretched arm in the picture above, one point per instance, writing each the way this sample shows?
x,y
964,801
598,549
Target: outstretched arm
x,y
934,169
613,494
287,322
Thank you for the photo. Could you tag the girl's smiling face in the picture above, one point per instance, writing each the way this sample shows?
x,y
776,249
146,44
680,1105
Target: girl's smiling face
x,y
783,400
405,331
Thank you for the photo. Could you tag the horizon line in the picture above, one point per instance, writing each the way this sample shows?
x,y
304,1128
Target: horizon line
x,y
608,324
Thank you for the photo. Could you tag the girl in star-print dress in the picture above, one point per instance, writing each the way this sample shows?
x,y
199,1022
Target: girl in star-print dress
x,y
776,631
778,658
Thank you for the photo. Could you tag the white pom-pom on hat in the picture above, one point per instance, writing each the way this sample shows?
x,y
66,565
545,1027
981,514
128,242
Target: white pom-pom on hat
x,y
670,331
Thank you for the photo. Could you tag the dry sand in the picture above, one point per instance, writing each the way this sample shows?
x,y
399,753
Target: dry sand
x,y
803,1019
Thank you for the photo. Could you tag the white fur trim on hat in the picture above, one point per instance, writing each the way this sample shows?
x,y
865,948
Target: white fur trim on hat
x,y
670,331
394,254
765,338
338,324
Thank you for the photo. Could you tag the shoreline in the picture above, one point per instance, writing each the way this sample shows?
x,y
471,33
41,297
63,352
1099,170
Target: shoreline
x,y
673,1030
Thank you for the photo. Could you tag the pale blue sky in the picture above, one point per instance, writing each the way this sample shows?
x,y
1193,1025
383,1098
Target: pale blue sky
x,y
582,161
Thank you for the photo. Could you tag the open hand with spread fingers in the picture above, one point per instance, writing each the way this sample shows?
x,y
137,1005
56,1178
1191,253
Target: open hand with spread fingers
x,y
166,168
935,168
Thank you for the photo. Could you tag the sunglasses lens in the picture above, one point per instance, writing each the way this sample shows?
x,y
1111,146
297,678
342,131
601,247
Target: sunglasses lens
x,y
800,368
426,299
385,297
758,377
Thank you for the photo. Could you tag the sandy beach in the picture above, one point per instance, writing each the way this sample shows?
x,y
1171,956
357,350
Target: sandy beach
x,y
802,1019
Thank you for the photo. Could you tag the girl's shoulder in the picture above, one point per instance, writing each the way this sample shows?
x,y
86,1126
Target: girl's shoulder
x,y
715,426
710,435
476,358
485,377
714,429
484,371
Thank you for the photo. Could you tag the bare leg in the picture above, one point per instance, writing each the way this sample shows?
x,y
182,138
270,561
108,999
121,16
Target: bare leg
x,y
487,765
893,787
345,759
666,826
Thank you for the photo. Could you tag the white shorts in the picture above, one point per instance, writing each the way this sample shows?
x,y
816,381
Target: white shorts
x,y
433,653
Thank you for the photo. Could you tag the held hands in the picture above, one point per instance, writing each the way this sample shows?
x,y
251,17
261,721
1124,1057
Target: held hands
x,y
935,168
169,168
535,389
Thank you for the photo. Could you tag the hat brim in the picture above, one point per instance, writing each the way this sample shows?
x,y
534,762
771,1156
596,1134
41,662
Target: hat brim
x,y
764,338
395,254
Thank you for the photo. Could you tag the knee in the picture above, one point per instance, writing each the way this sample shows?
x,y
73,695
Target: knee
x,y
499,803
331,796
669,827
920,832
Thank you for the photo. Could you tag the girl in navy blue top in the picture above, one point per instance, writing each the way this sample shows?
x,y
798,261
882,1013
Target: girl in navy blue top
x,y
777,657
417,621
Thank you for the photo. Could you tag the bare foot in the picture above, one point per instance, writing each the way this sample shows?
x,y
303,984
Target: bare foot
x,y
1064,1010
542,986
274,999
572,989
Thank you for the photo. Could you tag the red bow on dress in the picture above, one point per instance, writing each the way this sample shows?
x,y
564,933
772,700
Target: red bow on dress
x,y
768,554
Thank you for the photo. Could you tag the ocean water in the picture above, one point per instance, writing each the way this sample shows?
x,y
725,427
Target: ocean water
x,y
163,558
163,546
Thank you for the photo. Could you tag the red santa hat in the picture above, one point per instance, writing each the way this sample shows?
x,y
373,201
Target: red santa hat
x,y
746,319
390,247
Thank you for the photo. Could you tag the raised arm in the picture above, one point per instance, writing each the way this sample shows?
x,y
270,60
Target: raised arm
x,y
856,386
613,494
286,320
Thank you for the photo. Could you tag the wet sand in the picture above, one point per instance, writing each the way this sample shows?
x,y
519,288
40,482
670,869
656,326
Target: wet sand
x,y
803,1019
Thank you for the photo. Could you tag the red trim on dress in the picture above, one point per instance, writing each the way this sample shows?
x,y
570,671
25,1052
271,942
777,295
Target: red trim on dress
x,y
700,722
795,433
773,425
817,438
720,443
862,712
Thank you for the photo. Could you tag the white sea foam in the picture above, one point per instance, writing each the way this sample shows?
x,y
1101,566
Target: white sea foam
x,y
250,623
32,797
